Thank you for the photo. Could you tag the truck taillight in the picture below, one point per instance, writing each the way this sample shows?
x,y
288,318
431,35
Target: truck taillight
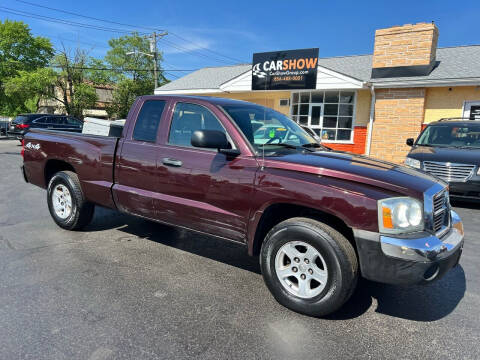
x,y
23,149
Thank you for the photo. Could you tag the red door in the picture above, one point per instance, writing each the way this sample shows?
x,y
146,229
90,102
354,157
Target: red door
x,y
136,164
202,189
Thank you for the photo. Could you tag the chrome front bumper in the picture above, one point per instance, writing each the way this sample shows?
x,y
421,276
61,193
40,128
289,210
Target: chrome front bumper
x,y
405,260
426,247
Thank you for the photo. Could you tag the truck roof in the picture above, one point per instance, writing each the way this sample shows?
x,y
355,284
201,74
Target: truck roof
x,y
211,99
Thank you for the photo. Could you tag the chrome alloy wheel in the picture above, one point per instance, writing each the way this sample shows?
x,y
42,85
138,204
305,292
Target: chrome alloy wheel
x,y
62,201
301,269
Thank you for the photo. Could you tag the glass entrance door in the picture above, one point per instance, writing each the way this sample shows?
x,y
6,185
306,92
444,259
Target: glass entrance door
x,y
315,117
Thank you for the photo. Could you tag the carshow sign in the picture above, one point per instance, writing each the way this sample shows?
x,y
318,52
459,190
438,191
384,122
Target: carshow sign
x,y
285,70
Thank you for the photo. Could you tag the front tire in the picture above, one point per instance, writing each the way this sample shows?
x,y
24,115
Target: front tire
x,y
308,266
66,202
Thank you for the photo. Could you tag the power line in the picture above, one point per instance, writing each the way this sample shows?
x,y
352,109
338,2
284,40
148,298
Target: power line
x,y
41,17
61,21
173,67
95,27
103,28
203,48
112,69
119,70
78,41
88,17
184,49
175,76
136,27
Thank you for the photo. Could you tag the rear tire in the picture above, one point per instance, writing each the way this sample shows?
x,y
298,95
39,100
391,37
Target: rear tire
x,y
66,202
308,266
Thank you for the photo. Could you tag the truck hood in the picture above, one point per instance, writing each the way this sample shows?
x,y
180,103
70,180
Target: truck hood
x,y
442,154
395,178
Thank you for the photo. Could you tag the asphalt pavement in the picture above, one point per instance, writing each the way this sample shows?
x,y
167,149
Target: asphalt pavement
x,y
127,288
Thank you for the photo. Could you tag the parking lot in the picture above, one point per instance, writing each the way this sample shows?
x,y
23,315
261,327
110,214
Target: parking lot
x,y
126,288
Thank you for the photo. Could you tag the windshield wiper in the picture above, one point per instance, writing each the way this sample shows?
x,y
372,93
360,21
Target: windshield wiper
x,y
290,146
310,145
315,145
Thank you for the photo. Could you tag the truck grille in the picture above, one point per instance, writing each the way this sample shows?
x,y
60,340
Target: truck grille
x,y
449,172
441,211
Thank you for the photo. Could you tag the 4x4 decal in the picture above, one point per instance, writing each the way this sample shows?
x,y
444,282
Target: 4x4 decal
x,y
32,146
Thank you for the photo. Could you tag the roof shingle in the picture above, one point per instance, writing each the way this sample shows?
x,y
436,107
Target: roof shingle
x,y
207,78
453,63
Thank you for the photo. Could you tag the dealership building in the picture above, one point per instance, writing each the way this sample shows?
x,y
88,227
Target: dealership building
x,y
367,104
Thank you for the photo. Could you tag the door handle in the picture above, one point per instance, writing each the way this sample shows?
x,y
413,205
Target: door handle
x,y
172,162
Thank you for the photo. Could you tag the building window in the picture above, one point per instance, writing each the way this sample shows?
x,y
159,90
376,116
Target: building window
x,y
331,114
284,102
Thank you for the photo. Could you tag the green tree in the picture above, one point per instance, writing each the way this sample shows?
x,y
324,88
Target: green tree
x,y
65,85
20,52
28,88
72,88
98,72
132,72
124,94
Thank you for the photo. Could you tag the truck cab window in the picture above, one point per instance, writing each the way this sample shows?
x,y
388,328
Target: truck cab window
x,y
188,118
148,120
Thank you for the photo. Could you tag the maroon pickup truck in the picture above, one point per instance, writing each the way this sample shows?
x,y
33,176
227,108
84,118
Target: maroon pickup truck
x,y
318,219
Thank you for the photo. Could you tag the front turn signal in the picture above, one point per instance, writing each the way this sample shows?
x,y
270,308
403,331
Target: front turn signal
x,y
387,218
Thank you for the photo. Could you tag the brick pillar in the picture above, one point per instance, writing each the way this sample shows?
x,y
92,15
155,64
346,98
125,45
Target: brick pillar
x,y
405,45
398,116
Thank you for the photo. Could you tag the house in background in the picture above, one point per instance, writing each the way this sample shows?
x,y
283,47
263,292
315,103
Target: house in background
x,y
367,104
104,95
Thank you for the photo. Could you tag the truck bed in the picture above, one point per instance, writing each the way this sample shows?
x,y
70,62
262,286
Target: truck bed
x,y
91,156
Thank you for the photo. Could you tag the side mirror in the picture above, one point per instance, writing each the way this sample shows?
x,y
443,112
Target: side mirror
x,y
410,141
210,139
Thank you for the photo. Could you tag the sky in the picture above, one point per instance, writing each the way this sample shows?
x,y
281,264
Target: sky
x,y
215,33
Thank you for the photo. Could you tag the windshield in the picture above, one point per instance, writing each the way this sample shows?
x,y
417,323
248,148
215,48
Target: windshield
x,y
267,128
451,135
20,120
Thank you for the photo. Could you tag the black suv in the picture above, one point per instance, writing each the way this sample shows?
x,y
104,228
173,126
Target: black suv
x,y
4,124
450,149
22,123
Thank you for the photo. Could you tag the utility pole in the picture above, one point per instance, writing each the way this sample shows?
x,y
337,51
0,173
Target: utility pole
x,y
153,50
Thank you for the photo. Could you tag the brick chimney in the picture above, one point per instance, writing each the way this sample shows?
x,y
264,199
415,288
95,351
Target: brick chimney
x,y
407,50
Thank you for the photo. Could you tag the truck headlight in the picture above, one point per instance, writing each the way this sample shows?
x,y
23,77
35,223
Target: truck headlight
x,y
412,162
400,215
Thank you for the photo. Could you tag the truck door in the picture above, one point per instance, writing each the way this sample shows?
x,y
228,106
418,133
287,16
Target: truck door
x,y
136,163
202,189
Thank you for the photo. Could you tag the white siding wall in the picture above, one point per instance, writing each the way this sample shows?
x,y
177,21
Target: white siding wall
x,y
326,79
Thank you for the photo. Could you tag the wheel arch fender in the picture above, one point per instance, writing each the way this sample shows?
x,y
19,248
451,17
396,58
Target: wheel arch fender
x,y
274,212
53,166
